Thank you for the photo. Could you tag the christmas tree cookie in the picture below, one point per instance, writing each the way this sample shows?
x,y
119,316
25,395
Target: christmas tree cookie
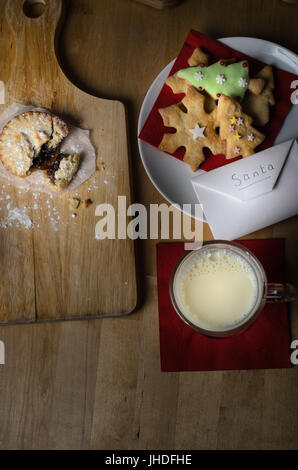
x,y
179,85
195,129
221,78
257,104
236,128
198,57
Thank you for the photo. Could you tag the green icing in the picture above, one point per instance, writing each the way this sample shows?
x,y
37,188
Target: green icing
x,y
218,78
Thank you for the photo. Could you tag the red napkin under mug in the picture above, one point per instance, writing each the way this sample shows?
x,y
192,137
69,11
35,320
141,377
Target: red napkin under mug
x,y
264,345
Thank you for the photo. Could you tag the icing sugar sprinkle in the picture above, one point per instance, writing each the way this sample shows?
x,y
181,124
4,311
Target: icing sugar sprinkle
x,y
17,217
39,209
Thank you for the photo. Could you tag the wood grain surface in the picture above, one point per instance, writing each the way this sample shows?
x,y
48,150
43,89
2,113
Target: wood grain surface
x,y
97,384
68,273
160,4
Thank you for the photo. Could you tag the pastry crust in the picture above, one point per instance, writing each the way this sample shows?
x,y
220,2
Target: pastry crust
x,y
60,131
68,166
24,136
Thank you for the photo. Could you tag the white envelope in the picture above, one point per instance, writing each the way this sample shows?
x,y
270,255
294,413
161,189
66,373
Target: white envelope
x,y
252,193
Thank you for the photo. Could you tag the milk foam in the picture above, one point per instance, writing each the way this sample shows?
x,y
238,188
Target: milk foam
x,y
218,289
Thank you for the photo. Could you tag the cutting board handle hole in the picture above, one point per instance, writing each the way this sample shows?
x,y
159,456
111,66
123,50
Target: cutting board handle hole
x,y
34,8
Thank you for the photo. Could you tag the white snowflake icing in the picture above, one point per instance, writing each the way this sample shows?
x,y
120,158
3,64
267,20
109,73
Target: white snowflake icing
x,y
240,121
242,82
220,79
250,137
199,76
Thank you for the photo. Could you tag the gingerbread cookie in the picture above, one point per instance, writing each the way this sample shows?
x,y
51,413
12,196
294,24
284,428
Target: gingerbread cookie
x,y
260,97
235,127
195,129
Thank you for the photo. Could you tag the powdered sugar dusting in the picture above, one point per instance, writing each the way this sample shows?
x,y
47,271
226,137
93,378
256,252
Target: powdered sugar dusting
x,y
17,217
27,210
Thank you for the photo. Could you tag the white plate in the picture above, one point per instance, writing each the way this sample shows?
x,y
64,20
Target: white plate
x,y
170,176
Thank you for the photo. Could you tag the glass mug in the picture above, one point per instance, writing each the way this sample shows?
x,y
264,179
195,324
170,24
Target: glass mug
x,y
228,253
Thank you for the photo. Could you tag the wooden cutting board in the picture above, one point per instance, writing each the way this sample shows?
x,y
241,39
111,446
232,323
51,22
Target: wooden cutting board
x,y
57,269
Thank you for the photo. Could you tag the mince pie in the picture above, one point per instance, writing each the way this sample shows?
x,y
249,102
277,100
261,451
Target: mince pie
x,y
31,142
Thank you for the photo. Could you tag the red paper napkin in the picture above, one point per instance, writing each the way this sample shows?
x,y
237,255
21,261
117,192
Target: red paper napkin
x,y
264,345
154,129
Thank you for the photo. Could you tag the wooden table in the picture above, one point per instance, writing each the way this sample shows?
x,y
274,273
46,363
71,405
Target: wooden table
x,y
97,384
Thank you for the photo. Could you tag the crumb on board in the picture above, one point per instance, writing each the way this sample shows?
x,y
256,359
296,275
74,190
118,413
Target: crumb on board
x,y
102,165
87,202
74,203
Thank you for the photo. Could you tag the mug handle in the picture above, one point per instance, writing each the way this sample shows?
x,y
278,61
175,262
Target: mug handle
x,y
277,292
